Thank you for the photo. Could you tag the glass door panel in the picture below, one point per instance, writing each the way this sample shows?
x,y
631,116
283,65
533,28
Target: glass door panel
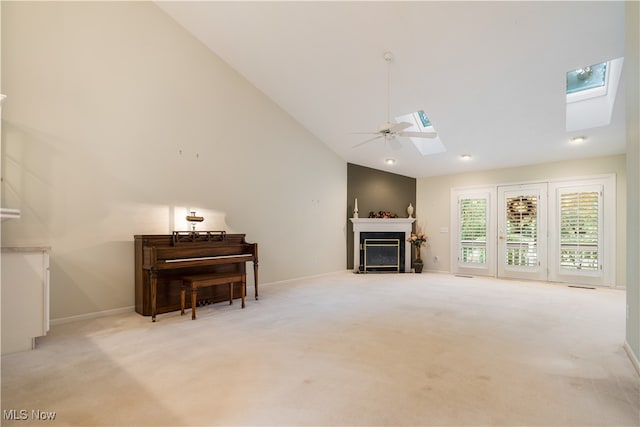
x,y
522,231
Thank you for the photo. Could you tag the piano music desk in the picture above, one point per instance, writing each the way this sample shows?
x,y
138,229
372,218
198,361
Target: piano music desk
x,y
203,280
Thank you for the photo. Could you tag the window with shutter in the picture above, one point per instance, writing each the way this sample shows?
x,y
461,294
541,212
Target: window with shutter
x,y
580,230
473,231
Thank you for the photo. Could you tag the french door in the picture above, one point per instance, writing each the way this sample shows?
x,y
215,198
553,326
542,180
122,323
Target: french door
x,y
522,231
583,246
558,231
473,230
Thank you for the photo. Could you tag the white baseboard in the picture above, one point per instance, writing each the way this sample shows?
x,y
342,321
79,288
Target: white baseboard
x,y
632,357
93,315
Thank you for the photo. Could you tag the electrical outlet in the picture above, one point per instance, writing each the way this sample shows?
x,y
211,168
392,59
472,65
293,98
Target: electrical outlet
x,y
436,258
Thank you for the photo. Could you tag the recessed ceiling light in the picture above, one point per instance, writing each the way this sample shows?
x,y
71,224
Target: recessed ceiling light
x,y
465,156
578,139
390,161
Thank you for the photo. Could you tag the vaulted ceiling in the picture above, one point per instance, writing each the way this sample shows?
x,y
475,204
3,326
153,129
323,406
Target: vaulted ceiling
x,y
489,75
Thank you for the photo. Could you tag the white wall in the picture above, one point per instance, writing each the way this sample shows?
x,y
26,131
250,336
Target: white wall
x,y
632,92
115,116
433,196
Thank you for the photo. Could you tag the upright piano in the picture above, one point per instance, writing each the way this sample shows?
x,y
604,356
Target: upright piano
x,y
162,260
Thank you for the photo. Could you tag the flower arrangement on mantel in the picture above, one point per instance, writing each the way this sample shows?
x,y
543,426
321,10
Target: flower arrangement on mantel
x,y
382,214
418,240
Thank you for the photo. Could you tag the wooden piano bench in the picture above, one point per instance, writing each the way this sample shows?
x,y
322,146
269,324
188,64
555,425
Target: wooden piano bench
x,y
213,279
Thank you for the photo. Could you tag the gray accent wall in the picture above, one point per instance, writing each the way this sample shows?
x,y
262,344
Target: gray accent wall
x,y
376,191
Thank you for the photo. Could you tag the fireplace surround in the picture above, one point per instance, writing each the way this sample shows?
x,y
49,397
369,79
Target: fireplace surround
x,y
382,225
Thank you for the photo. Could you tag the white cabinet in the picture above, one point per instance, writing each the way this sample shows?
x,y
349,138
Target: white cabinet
x,y
25,297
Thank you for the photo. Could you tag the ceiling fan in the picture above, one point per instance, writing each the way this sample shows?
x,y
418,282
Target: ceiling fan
x,y
390,130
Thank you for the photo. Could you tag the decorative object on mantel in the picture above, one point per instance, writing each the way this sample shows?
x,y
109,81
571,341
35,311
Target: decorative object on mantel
x,y
418,241
355,209
382,215
410,210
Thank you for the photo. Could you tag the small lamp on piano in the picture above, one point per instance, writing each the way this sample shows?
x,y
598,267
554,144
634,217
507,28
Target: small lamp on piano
x,y
194,219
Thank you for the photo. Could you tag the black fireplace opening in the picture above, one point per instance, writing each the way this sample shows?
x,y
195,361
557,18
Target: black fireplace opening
x,y
382,252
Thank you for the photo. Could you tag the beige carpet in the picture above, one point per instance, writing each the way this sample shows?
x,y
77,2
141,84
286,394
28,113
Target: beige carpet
x,y
343,349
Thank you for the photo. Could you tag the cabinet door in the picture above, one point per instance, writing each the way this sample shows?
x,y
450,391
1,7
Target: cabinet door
x,y
25,299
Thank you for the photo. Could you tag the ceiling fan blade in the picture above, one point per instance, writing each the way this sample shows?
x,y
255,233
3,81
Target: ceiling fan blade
x,y
419,134
368,140
397,127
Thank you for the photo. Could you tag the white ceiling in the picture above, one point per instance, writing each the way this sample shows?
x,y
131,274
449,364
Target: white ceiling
x,y
489,75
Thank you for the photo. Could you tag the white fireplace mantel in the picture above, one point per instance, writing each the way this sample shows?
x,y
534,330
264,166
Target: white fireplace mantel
x,y
389,225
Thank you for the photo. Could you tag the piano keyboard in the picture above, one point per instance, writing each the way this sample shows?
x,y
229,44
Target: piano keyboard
x,y
204,258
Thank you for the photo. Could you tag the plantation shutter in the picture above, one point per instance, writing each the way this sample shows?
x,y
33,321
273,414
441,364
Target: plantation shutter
x,y
473,230
580,229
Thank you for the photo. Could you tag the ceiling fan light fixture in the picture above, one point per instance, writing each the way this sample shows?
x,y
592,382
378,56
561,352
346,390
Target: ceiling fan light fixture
x,y
578,139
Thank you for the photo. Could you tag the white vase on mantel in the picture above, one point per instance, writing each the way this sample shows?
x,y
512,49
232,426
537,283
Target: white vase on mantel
x,y
410,210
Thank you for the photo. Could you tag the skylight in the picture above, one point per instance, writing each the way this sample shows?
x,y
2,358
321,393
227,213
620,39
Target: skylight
x,y
421,123
424,119
591,94
586,78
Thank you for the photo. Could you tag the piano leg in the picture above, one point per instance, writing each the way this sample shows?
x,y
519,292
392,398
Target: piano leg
x,y
154,293
183,295
255,276
243,288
